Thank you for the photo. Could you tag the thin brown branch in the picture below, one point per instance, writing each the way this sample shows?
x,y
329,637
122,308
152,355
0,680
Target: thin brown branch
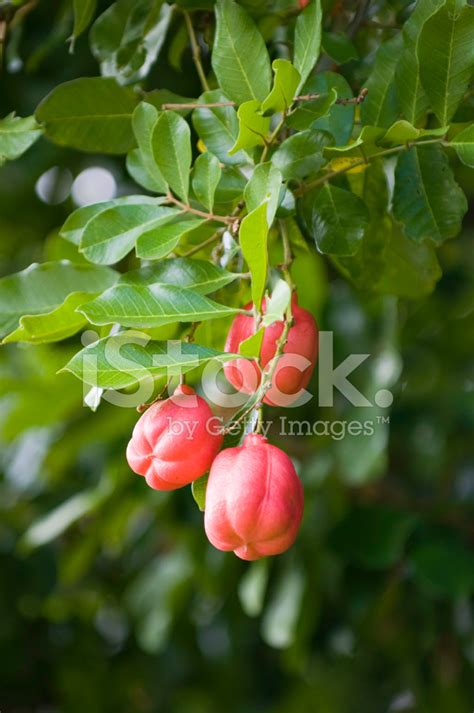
x,y
196,50
300,98
226,219
204,244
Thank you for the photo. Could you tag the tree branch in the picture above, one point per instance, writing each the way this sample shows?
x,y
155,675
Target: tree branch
x,y
300,98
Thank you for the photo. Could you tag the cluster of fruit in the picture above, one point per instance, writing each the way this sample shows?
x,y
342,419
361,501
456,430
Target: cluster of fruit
x,y
254,498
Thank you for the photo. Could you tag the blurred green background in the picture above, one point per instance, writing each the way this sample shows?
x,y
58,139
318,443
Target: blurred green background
x,y
112,600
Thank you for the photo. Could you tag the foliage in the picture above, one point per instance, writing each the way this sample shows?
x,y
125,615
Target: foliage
x,y
249,141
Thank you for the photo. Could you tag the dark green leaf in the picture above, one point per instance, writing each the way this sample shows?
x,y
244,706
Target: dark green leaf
x,y
206,176
83,13
307,40
380,107
463,143
239,57
339,47
427,199
339,119
171,143
90,114
144,121
445,568
336,219
218,127
446,72
302,154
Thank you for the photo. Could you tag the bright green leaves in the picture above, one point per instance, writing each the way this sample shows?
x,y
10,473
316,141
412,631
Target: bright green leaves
x,y
171,144
253,127
152,306
197,275
206,176
240,59
140,162
427,199
90,114
446,57
41,289
463,143
111,234
285,85
218,127
307,40
127,37
336,219
302,154
253,241
380,107
17,135
158,242
126,359
261,196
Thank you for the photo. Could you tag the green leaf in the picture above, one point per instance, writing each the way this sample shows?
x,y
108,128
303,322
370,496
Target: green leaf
x,y
90,114
152,306
411,95
277,304
402,131
446,72
380,107
83,13
463,143
309,112
339,119
137,170
427,199
307,40
171,143
60,323
127,358
339,47
365,145
206,176
144,122
42,288
73,228
336,219
302,154
444,568
159,242
111,234
374,536
239,56
198,489
17,135
253,241
252,346
218,128
281,616
264,186
253,127
285,84
127,38
198,275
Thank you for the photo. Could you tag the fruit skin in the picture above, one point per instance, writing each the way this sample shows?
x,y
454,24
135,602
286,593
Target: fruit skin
x,y
254,500
302,340
303,3
168,459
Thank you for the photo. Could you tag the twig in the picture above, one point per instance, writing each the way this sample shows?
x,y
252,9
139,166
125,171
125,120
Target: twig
x,y
226,219
202,245
300,98
304,188
196,50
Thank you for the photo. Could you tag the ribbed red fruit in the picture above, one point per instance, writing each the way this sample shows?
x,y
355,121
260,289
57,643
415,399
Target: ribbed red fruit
x,y
292,373
254,500
172,443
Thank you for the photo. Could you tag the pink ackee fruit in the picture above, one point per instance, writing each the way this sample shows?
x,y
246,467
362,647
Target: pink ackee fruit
x,y
172,443
292,373
254,500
